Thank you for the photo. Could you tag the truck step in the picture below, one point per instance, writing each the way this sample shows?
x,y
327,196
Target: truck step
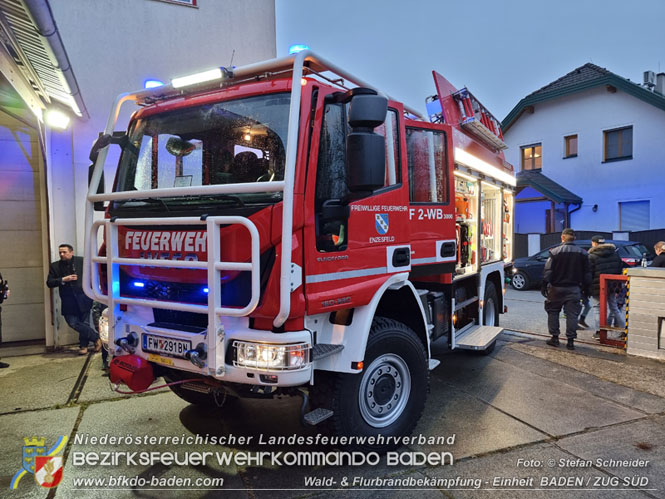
x,y
323,350
317,416
477,337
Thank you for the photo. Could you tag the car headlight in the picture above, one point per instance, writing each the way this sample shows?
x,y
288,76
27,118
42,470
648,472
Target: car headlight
x,y
104,327
271,357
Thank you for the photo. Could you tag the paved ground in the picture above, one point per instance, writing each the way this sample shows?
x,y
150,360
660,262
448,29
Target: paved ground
x,y
527,421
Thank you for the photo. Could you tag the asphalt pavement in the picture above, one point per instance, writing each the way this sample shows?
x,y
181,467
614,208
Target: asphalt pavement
x,y
526,421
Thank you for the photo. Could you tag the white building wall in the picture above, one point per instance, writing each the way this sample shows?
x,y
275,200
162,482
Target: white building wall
x,y
588,114
115,45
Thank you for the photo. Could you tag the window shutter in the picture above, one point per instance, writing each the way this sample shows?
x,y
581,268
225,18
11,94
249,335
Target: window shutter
x,y
634,215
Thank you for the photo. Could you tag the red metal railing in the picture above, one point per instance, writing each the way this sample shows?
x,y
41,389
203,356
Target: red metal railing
x,y
604,327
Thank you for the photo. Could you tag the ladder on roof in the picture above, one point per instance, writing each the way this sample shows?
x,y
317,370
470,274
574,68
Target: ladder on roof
x,y
477,120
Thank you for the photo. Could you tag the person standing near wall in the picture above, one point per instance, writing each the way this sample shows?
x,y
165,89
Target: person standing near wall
x,y
604,259
66,274
4,294
567,277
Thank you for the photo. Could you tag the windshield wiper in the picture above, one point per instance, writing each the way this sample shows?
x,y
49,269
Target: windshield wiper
x,y
216,197
146,201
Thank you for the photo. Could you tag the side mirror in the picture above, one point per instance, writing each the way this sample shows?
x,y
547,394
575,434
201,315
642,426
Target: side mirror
x,y
366,150
101,142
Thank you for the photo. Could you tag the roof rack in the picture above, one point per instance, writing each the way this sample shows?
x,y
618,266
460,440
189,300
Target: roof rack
x,y
267,70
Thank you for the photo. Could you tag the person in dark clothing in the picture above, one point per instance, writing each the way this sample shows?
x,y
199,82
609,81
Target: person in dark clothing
x,y
4,294
659,248
586,308
604,259
567,277
97,309
66,274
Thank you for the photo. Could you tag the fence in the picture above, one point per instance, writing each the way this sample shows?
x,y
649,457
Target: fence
x,y
646,237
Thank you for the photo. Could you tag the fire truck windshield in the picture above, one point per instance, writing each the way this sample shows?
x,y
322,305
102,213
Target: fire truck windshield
x,y
233,142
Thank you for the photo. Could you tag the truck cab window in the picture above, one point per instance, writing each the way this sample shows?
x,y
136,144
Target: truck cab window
x,y
428,175
231,142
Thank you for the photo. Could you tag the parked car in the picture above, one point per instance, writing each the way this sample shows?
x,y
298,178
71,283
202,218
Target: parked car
x,y
528,271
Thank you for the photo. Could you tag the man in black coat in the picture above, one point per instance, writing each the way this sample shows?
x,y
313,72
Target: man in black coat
x,y
604,259
567,276
4,294
66,274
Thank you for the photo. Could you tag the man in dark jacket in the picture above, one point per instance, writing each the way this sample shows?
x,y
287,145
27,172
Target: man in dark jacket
x,y
4,294
604,259
567,276
66,275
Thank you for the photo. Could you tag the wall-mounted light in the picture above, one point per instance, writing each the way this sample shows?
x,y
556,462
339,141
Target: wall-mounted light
x,y
56,119
595,208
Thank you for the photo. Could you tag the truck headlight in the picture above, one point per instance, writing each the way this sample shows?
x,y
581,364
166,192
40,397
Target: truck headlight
x,y
271,357
104,327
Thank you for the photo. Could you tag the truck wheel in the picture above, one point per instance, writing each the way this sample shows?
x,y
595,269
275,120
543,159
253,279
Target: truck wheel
x,y
520,281
388,397
490,305
490,313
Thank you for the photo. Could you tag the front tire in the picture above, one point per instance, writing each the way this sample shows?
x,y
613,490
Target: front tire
x,y
520,281
388,397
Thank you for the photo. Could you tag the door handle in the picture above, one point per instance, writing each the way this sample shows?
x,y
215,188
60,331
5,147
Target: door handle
x,y
402,257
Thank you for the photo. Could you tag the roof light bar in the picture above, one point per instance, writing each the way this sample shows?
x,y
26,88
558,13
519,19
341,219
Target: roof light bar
x,y
185,81
483,167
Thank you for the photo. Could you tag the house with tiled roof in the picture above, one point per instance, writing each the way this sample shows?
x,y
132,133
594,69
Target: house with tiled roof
x,y
590,154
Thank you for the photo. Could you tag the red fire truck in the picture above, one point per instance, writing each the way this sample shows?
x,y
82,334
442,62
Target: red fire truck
x,y
286,228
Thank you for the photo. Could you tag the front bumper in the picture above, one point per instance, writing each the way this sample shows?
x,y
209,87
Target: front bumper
x,y
219,362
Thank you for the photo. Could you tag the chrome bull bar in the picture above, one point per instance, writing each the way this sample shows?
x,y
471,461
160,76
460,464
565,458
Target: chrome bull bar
x,y
213,265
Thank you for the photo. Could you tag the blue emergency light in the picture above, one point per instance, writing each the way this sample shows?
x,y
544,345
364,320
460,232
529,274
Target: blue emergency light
x,y
152,83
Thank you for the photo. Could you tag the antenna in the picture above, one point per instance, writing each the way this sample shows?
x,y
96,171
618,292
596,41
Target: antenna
x,y
232,54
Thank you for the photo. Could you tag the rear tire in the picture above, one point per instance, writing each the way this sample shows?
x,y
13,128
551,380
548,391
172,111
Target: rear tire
x,y
490,305
388,397
490,312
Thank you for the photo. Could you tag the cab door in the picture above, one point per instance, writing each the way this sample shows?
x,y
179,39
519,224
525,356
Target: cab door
x,y
352,240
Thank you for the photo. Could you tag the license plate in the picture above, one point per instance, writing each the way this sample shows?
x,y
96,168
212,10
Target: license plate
x,y
165,346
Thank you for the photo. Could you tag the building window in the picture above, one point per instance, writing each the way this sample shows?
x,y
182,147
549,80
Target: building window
x,y
571,146
634,215
532,157
618,144
188,3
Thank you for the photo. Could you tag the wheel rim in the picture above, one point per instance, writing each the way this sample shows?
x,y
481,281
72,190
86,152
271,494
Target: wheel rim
x,y
384,390
518,281
490,312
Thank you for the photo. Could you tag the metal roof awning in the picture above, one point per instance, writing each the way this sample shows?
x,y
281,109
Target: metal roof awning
x,y
546,186
33,57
